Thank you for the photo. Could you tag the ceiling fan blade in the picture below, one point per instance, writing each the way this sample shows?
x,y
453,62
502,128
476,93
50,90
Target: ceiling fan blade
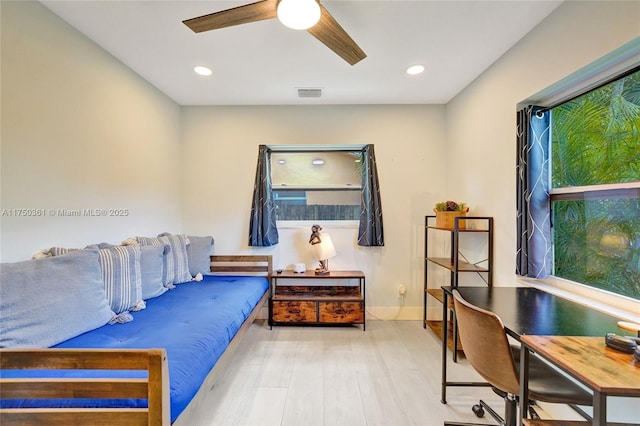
x,y
329,32
265,9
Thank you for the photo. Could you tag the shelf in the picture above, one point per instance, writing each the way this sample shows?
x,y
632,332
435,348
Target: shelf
x,y
549,422
312,296
312,275
447,263
459,230
436,327
438,294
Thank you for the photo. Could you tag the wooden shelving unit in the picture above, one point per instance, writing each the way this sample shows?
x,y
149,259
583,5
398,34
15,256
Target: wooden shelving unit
x,y
455,265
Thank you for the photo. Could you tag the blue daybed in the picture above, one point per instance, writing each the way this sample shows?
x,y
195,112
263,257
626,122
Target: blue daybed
x,y
164,362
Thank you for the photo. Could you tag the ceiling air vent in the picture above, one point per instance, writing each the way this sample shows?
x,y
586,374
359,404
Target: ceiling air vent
x,y
309,93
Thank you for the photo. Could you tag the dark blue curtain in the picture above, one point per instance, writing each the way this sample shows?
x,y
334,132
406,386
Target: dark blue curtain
x,y
262,227
534,244
370,232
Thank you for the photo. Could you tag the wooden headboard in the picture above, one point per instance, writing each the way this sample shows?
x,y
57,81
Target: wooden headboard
x,y
252,264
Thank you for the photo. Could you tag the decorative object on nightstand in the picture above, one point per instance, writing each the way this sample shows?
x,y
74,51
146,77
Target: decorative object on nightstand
x,y
447,211
324,249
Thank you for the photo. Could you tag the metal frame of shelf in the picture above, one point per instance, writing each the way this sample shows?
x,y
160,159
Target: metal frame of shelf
x,y
455,267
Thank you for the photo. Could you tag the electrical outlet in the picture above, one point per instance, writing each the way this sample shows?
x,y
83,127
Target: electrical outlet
x,y
402,290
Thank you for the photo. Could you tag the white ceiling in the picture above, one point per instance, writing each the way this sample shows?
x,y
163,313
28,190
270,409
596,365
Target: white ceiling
x,y
263,63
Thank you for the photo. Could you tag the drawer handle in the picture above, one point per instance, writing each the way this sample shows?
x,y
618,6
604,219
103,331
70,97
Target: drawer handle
x,y
294,311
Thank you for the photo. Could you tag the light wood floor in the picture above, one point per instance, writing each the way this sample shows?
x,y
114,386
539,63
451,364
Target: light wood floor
x,y
388,375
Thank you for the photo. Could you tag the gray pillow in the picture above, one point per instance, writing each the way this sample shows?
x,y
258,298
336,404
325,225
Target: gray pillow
x,y
177,262
152,270
47,301
199,252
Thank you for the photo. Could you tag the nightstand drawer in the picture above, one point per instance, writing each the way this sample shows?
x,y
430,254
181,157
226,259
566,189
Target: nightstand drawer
x,y
341,312
288,311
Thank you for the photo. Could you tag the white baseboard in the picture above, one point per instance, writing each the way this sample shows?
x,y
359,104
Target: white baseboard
x,y
385,313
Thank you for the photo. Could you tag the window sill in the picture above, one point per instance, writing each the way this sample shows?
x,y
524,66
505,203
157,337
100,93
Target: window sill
x,y
622,307
291,224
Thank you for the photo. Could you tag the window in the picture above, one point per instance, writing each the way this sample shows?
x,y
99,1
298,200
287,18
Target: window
x,y
299,188
316,185
595,187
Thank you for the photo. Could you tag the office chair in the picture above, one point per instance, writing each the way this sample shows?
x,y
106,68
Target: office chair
x,y
489,352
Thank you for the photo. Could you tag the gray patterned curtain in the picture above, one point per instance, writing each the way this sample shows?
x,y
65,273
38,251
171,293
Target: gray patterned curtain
x,y
262,227
370,232
534,249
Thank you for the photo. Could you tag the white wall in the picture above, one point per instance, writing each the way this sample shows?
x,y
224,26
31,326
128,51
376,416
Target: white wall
x,y
220,149
80,130
481,120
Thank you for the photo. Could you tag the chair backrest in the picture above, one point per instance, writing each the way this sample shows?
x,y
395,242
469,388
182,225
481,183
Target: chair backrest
x,y
485,345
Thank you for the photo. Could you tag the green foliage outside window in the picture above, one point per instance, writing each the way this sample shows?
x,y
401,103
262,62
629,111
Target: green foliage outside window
x,y
596,141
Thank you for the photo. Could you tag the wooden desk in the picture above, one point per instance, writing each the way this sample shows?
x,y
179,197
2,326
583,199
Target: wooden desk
x,y
527,311
605,371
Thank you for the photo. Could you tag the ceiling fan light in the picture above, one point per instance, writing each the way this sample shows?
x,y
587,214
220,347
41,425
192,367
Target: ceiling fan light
x,y
299,14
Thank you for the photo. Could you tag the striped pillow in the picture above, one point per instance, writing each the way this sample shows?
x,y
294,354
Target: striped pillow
x,y
177,266
60,251
122,278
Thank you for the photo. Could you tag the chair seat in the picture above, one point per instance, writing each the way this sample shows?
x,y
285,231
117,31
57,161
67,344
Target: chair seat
x,y
547,384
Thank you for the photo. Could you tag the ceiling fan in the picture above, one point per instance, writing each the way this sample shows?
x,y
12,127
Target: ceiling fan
x,y
325,28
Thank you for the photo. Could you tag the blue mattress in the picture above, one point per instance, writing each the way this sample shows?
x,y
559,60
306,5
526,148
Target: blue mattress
x,y
194,323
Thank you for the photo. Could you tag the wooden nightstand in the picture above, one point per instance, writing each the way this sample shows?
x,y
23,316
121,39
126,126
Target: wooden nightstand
x,y
319,302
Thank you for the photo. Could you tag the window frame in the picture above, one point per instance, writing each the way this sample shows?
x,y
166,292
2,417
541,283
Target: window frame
x,y
625,189
314,148
612,66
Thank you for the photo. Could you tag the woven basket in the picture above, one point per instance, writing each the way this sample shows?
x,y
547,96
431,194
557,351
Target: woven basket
x,y
446,219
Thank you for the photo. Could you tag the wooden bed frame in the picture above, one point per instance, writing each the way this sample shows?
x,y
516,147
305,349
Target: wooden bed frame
x,y
155,388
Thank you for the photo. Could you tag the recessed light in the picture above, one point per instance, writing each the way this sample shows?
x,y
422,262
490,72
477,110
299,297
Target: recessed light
x,y
415,69
318,162
281,161
202,70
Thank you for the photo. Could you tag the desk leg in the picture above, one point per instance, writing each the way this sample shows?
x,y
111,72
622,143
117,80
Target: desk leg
x,y
445,332
524,383
599,409
454,324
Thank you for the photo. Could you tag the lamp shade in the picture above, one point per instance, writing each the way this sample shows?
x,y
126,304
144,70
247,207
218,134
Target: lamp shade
x,y
299,14
326,249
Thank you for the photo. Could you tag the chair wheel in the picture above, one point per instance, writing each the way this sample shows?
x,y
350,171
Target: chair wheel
x,y
478,410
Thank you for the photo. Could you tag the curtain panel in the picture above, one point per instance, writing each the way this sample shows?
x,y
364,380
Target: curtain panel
x,y
534,243
262,226
370,232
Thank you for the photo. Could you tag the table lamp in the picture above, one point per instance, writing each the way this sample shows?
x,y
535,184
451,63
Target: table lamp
x,y
324,250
